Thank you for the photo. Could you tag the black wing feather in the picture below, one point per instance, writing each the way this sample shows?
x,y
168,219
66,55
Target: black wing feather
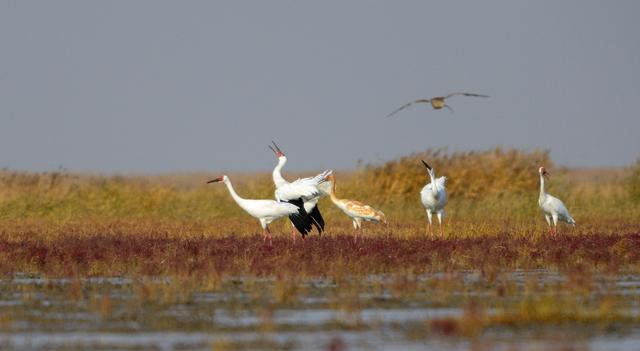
x,y
301,219
317,219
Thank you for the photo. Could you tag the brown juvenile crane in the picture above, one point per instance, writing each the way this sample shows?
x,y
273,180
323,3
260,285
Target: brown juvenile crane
x,y
437,102
355,209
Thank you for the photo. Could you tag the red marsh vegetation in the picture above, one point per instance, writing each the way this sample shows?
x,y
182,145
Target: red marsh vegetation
x,y
108,255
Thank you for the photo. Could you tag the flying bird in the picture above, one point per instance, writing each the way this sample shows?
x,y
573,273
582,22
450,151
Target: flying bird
x,y
434,197
305,190
356,210
436,102
553,209
266,211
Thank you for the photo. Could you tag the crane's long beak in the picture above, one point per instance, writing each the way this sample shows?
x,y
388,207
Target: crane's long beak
x,y
426,165
277,150
545,174
219,179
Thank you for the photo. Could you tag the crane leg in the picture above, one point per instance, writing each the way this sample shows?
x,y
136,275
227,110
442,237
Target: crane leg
x,y
440,223
555,225
357,226
266,235
548,219
293,233
355,231
429,228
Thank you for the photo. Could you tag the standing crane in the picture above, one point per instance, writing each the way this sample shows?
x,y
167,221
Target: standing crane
x,y
434,198
437,102
356,210
305,190
266,211
552,207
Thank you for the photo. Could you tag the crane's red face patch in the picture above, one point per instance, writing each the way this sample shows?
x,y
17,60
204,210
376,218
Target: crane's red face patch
x,y
278,153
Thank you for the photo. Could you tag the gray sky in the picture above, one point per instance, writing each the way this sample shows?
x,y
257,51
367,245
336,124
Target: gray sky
x,y
158,86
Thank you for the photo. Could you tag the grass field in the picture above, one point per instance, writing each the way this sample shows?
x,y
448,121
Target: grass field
x,y
170,253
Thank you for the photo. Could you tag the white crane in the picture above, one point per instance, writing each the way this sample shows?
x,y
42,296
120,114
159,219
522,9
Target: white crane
x,y
434,198
266,211
437,102
552,207
305,190
355,209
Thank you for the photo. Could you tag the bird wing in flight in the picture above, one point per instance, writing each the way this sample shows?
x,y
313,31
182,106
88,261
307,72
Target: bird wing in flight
x,y
465,94
407,105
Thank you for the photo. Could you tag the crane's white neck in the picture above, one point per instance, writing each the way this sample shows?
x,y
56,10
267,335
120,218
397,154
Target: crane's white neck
x,y
434,185
542,192
277,175
233,193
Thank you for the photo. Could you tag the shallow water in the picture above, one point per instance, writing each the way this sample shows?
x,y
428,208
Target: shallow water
x,y
379,312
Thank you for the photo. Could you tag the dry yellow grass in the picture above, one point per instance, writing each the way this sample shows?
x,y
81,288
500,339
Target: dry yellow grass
x,y
490,192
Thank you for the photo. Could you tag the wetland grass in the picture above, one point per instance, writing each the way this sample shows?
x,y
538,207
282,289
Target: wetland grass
x,y
113,255
169,253
65,224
